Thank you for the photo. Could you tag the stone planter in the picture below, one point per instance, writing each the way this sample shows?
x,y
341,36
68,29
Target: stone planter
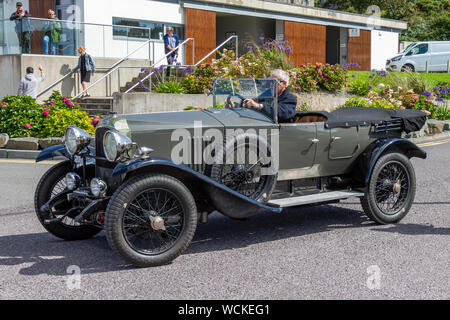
x,y
27,143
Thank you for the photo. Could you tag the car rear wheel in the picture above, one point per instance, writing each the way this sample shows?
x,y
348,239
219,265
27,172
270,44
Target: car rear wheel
x,y
150,220
391,190
52,183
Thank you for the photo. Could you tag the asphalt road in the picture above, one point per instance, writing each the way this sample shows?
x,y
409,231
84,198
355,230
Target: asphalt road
x,y
326,252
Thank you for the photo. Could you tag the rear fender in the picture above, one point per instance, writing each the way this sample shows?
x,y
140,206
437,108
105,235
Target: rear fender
x,y
224,199
408,148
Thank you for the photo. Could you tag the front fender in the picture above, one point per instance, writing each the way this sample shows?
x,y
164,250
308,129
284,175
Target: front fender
x,y
409,148
55,151
224,199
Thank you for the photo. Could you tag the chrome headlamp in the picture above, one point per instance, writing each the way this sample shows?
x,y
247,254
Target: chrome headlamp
x,y
98,187
76,139
116,146
72,181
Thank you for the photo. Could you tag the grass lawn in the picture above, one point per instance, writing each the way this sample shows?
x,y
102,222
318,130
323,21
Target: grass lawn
x,y
430,79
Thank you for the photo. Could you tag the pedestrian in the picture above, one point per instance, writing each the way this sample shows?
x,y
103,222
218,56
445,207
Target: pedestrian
x,y
29,84
52,33
170,43
23,27
86,65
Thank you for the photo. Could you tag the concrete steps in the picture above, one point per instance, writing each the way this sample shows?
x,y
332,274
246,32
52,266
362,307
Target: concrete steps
x,y
96,105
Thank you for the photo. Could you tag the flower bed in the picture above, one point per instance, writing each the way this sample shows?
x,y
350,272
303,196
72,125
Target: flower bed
x,y
22,116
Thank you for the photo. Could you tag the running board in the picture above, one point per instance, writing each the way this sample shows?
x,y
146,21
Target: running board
x,y
315,198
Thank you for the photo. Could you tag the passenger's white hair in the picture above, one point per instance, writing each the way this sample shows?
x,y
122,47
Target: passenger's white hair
x,y
281,75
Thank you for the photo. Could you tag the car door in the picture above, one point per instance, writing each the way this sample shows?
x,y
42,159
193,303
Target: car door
x,y
298,145
344,143
418,57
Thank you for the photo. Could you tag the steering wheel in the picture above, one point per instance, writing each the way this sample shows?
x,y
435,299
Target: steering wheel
x,y
241,104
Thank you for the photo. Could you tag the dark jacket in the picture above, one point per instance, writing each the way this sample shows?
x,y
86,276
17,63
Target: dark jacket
x,y
88,62
22,25
287,106
166,43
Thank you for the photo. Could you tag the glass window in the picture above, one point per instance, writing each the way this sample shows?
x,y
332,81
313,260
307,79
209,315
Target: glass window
x,y
420,49
2,27
157,29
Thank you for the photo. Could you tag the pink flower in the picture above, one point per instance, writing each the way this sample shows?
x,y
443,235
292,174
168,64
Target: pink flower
x,y
403,108
4,104
94,121
28,126
45,113
52,103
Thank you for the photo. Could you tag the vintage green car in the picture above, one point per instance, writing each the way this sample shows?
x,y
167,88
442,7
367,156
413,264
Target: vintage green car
x,y
149,179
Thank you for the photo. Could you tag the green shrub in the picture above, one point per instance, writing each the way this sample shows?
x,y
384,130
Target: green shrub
x,y
309,78
22,116
360,87
170,86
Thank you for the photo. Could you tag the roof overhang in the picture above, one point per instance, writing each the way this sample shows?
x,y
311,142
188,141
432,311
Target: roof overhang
x,y
297,13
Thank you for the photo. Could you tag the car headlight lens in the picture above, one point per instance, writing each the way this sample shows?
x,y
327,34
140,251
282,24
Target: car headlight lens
x,y
116,145
76,139
98,187
398,58
72,181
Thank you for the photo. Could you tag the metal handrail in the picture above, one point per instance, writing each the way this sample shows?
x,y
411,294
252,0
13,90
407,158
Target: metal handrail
x,y
113,68
165,56
218,47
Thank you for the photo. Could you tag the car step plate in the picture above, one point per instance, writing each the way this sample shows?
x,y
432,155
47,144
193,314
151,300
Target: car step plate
x,y
315,198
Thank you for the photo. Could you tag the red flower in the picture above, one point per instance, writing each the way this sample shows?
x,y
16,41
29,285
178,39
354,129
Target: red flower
x,y
45,113
28,126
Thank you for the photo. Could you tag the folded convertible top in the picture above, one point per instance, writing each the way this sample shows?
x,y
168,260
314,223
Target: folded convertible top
x,y
413,120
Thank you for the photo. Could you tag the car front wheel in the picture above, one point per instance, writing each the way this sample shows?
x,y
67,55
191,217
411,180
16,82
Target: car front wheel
x,y
391,190
150,220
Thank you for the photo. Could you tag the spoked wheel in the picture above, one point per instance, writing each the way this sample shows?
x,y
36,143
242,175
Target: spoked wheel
x,y
407,68
50,185
391,190
248,171
151,220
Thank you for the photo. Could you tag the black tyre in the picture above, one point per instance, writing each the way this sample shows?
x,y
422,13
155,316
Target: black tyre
x,y
408,68
391,190
244,175
52,183
150,220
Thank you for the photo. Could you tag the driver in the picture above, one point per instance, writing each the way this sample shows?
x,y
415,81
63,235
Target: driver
x,y
287,102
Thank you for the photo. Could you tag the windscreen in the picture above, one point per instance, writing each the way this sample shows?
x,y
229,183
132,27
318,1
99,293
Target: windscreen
x,y
234,93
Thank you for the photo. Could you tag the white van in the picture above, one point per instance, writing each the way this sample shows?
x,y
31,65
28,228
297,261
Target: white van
x,y
416,56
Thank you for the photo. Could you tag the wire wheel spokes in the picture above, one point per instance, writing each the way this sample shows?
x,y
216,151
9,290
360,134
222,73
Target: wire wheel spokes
x,y
244,175
392,188
153,222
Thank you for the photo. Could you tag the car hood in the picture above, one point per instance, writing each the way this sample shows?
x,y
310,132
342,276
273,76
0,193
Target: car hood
x,y
134,124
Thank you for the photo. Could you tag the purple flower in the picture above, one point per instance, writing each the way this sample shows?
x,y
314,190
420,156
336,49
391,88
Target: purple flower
x,y
370,87
426,93
353,75
261,38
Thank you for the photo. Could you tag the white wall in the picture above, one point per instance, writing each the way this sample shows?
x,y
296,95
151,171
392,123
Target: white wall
x,y
102,12
384,46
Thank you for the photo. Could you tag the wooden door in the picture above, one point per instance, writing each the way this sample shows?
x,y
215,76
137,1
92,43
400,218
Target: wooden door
x,y
200,25
39,9
307,41
359,49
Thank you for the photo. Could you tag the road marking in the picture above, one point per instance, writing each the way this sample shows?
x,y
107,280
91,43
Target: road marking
x,y
434,143
19,161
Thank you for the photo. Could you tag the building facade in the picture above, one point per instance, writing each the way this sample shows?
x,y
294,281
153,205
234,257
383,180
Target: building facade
x,y
315,34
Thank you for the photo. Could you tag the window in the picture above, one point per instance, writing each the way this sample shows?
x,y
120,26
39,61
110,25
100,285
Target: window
x,y
157,29
2,23
420,49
